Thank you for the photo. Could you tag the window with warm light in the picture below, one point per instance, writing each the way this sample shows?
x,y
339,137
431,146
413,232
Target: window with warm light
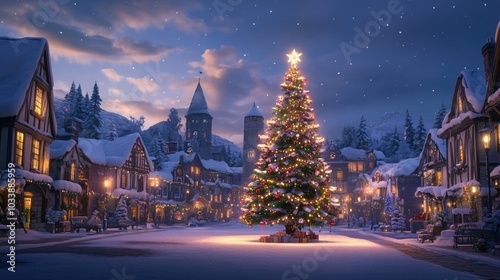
x,y
461,155
251,154
35,154
123,181
38,101
352,167
19,147
360,166
460,104
72,172
340,175
439,177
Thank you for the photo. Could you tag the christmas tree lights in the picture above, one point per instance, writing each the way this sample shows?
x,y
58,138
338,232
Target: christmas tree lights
x,y
291,179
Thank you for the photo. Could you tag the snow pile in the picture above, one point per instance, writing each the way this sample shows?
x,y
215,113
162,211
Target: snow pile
x,y
353,154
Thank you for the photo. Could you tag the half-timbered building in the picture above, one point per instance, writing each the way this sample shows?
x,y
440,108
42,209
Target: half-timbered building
x,y
27,124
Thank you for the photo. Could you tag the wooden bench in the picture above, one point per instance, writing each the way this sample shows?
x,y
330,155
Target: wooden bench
x,y
463,236
426,234
79,222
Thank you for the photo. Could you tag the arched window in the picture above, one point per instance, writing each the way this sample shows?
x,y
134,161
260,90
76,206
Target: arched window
x,y
195,134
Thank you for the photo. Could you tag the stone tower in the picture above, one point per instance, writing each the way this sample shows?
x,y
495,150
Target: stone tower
x,y
199,124
253,126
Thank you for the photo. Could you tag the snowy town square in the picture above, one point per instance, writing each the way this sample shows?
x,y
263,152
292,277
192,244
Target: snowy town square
x,y
232,251
239,139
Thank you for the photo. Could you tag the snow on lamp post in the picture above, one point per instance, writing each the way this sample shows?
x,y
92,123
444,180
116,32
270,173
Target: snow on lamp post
x,y
486,138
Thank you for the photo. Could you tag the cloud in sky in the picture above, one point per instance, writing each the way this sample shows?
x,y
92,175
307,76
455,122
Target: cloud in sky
x,y
112,74
144,84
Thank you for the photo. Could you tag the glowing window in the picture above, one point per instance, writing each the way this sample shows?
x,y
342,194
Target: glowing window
x,y
461,156
19,147
35,154
38,101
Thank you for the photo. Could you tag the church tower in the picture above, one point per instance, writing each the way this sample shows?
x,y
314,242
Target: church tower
x,y
253,126
199,124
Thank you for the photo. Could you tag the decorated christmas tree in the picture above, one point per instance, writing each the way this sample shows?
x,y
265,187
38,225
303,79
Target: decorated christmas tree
x,y
398,219
291,179
121,209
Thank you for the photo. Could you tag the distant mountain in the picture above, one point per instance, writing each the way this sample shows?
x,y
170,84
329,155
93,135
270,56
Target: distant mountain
x,y
389,120
123,125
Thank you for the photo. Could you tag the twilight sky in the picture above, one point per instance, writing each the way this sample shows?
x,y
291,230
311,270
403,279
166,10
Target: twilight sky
x,y
360,57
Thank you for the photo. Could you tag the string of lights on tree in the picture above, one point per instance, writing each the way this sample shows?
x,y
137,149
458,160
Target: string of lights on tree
x,y
291,180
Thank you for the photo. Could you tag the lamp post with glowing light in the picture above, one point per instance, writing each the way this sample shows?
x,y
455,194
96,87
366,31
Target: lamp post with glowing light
x,y
104,216
486,138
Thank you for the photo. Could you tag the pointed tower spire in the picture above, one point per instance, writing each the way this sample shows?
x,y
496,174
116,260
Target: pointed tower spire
x,y
198,103
254,112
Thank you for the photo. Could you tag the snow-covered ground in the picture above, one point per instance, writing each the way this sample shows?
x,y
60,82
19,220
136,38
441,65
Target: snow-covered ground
x,y
221,251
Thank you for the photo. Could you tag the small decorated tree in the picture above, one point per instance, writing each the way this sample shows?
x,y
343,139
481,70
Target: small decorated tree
x,y
121,209
398,219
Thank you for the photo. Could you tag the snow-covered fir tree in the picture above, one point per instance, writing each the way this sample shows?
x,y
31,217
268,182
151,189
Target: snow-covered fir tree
x,y
174,124
291,179
69,102
362,138
93,123
121,212
80,109
138,124
112,135
420,135
348,137
389,143
439,116
409,131
157,151
388,205
398,219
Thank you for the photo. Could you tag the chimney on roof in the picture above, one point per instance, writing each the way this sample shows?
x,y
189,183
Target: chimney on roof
x,y
488,52
72,127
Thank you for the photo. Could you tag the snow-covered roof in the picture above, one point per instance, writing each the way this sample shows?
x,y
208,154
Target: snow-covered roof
x,y
176,157
198,103
111,153
218,183
67,185
495,173
440,143
132,193
353,154
433,191
58,148
405,167
219,166
448,124
254,112
475,88
379,154
19,60
237,170
22,175
166,171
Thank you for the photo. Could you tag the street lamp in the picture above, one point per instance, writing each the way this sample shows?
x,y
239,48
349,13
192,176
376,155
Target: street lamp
x,y
486,138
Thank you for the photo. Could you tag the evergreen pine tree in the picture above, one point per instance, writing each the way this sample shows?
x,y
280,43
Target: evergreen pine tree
x,y
112,135
420,135
93,123
156,150
69,102
409,133
291,179
348,138
121,212
362,139
173,126
398,219
80,107
439,116
394,142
